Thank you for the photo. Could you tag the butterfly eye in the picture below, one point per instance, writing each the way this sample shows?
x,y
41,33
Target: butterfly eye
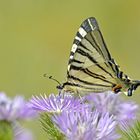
x,y
59,87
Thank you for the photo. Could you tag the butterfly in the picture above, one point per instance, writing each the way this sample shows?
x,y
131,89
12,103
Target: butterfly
x,y
91,67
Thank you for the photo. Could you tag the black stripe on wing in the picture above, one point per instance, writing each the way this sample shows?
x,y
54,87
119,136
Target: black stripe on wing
x,y
83,53
93,43
76,61
80,86
109,56
89,73
87,83
97,76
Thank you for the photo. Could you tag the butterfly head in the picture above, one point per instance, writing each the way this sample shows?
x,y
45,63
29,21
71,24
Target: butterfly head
x,y
66,87
59,87
133,86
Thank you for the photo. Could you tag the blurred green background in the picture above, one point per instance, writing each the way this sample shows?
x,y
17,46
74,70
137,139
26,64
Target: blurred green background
x,y
36,38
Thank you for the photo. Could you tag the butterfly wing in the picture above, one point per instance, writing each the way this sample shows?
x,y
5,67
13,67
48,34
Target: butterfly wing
x,y
90,67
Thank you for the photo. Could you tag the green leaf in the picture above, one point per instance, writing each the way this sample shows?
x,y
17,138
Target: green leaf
x,y
52,131
131,132
6,131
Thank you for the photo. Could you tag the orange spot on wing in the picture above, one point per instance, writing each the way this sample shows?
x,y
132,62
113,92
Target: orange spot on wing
x,y
117,88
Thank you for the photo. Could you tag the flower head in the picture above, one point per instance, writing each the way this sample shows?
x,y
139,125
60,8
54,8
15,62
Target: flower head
x,y
55,103
86,125
12,110
112,103
93,118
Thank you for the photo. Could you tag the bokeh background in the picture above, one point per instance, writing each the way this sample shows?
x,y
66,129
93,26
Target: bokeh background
x,y
36,38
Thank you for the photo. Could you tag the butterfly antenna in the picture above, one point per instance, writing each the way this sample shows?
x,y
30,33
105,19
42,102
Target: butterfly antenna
x,y
50,77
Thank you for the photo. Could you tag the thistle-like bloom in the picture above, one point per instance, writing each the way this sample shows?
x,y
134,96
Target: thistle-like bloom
x,y
113,103
86,125
93,118
55,103
12,110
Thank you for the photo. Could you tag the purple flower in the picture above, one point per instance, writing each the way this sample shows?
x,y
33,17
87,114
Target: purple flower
x,y
55,103
86,125
112,103
95,117
12,110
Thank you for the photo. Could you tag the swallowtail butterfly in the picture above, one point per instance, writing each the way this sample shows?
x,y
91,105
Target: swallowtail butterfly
x,y
91,67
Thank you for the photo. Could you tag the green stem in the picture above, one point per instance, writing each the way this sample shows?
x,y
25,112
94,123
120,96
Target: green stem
x,y
6,132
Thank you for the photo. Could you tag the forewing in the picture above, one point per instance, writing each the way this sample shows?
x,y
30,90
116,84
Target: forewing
x,y
90,64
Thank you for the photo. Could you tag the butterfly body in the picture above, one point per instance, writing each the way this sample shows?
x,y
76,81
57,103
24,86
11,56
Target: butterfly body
x,y
91,67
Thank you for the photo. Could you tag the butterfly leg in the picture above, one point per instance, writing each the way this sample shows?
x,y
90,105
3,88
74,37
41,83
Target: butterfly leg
x,y
80,97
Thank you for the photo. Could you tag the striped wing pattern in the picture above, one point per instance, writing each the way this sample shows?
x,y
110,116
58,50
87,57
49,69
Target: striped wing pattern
x,y
90,67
